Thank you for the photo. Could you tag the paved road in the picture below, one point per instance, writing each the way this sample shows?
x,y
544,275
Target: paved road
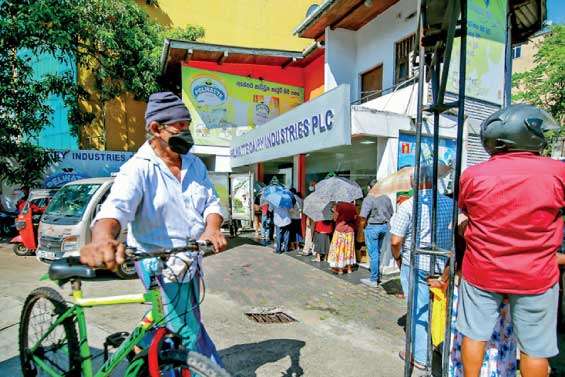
x,y
341,328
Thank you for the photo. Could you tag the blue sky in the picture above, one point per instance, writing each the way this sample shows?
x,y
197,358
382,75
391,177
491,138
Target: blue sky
x,y
556,11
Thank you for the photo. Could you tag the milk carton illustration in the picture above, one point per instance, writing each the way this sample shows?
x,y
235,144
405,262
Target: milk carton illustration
x,y
210,97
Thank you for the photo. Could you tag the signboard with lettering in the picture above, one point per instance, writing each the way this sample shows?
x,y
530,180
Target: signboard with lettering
x,y
322,123
82,164
224,105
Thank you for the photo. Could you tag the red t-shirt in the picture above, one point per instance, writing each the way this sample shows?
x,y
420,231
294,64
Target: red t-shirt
x,y
513,202
325,227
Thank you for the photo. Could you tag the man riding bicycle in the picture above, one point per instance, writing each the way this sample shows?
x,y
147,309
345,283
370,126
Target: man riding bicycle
x,y
164,196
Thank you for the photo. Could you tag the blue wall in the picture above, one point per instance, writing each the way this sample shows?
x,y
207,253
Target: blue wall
x,y
57,134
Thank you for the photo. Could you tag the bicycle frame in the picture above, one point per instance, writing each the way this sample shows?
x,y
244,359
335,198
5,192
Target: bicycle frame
x,y
152,296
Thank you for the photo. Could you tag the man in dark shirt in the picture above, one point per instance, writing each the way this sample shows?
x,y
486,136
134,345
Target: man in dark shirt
x,y
375,213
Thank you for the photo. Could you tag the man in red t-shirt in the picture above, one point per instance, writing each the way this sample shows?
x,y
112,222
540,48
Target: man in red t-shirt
x,y
514,204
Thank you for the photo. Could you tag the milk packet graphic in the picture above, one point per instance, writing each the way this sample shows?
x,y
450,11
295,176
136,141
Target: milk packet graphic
x,y
210,100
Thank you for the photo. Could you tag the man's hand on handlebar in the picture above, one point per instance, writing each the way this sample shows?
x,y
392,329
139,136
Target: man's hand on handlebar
x,y
106,252
217,239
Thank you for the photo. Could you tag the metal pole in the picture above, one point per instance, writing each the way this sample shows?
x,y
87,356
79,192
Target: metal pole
x,y
435,163
411,302
458,163
508,60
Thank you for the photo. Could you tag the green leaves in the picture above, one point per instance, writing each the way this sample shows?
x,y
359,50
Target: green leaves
x,y
544,84
114,40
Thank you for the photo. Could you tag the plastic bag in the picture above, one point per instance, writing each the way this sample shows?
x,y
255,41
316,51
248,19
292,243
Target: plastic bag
x,y
439,313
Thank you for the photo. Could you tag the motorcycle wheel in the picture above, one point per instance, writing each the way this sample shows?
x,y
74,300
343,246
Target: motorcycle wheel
x,y
20,250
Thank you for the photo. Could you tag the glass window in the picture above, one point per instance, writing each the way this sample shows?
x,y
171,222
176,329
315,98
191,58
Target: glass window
x,y
358,162
403,49
71,200
516,52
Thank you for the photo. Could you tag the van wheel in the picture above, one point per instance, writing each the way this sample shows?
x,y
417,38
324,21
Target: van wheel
x,y
126,271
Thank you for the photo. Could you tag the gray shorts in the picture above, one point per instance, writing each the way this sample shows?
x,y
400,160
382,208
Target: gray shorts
x,y
534,318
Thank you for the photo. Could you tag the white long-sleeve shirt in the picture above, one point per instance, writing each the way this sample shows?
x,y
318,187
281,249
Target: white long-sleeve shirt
x,y
159,210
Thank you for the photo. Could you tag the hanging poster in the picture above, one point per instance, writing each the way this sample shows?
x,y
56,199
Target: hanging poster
x,y
407,154
241,195
224,105
486,41
221,184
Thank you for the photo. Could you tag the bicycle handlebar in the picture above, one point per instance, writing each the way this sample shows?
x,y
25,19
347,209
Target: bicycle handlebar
x,y
70,267
203,247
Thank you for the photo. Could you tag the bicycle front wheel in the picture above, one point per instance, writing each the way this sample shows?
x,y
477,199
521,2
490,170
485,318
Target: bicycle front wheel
x,y
167,360
60,348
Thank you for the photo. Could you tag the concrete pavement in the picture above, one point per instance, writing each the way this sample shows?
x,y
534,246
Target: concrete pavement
x,y
341,328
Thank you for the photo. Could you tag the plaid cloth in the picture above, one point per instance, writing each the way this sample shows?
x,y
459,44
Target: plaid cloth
x,y
401,226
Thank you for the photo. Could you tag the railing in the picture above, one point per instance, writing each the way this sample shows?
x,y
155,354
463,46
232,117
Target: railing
x,y
372,94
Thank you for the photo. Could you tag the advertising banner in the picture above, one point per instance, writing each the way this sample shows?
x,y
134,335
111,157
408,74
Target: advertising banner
x,y
224,105
407,154
322,123
82,164
486,40
241,197
221,182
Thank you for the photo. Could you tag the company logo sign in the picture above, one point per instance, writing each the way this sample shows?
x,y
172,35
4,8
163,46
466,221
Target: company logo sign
x,y
208,91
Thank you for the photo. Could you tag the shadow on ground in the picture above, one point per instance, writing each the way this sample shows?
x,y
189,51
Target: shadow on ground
x,y
245,359
11,366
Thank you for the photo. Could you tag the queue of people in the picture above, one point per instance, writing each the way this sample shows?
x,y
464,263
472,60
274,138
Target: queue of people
x,y
510,229
336,240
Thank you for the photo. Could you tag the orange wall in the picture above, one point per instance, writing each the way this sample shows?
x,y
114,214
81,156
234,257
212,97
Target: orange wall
x,y
311,77
314,78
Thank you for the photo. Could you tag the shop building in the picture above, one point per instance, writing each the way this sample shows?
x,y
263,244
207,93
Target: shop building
x,y
367,51
236,82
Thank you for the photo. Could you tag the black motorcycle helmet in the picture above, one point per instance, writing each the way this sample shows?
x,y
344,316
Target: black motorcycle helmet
x,y
518,127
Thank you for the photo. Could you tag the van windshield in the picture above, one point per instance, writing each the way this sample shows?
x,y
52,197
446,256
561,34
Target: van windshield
x,y
70,202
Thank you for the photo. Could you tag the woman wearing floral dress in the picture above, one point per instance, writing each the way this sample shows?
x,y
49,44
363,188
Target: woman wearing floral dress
x,y
500,351
341,257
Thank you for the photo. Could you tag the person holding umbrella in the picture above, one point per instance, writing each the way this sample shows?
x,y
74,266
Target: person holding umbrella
x,y
318,206
281,200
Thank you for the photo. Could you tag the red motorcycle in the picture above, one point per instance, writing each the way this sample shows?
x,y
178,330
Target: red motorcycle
x,y
27,222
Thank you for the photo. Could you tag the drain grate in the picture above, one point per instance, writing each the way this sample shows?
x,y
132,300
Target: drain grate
x,y
274,316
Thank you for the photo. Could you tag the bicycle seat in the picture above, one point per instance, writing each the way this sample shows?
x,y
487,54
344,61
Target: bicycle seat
x,y
70,268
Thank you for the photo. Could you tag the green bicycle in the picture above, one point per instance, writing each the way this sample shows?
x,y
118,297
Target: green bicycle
x,y
49,344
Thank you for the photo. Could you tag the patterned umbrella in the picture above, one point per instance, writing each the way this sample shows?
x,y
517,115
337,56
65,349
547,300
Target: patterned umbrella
x,y
277,196
338,189
317,208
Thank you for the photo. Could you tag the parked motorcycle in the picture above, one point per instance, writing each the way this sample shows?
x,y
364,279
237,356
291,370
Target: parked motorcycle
x,y
7,223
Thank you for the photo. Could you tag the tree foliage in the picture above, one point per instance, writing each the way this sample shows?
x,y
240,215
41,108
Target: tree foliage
x,y
544,84
112,39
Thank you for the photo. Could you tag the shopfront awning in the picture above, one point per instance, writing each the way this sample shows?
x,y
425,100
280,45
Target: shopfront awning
x,y
371,122
385,116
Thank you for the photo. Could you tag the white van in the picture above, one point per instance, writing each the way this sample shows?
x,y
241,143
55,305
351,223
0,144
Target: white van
x,y
65,225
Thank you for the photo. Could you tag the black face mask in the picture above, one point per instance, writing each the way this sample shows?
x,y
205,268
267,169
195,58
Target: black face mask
x,y
182,142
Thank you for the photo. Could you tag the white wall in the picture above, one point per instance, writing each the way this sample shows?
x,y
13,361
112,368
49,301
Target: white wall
x,y
350,53
339,58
